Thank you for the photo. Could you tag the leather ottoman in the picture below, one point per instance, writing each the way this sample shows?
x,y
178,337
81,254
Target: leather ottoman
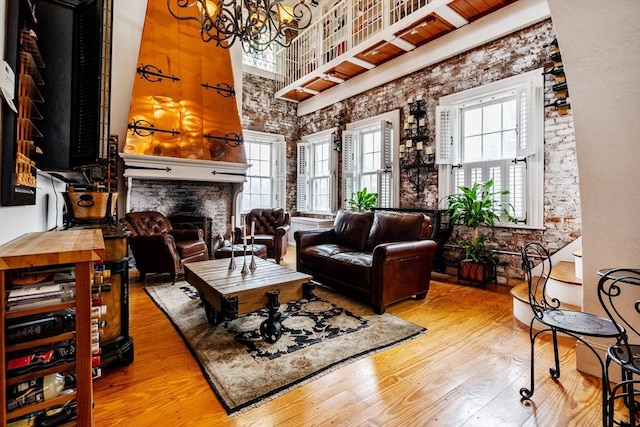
x,y
238,250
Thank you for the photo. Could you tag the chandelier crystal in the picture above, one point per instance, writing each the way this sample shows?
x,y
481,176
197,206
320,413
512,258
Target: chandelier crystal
x,y
255,23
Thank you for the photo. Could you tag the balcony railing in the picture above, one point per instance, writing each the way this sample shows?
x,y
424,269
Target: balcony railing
x,y
345,26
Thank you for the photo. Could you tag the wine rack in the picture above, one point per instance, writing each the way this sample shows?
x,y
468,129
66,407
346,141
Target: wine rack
x,y
28,260
560,88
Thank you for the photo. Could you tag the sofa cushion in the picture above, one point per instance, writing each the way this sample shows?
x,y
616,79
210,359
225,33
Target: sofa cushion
x,y
395,227
352,228
316,256
354,267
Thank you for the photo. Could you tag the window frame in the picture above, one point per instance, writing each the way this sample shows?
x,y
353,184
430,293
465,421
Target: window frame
x,y
305,171
277,167
528,164
388,172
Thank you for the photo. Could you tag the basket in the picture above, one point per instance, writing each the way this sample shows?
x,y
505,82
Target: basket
x,y
89,205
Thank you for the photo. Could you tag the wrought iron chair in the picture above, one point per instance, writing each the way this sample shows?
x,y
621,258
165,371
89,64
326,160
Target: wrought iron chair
x,y
549,315
619,294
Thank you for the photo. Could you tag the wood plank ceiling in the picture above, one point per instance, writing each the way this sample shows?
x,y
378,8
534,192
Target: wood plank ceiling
x,y
412,35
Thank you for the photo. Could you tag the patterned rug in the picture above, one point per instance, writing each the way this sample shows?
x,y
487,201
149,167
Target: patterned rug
x,y
319,335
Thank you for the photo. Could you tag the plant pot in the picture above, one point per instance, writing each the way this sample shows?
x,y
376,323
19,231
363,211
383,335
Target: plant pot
x,y
477,272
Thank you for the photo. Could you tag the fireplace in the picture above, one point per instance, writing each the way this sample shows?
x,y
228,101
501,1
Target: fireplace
x,y
194,220
207,204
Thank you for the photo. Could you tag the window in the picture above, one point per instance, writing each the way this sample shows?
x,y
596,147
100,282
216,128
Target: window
x,y
265,186
316,173
264,63
367,158
495,132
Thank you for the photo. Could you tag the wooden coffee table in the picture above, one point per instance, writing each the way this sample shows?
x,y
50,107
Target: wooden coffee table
x,y
227,293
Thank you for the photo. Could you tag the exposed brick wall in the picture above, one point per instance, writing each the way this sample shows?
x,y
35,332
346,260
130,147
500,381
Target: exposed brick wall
x,y
519,52
262,112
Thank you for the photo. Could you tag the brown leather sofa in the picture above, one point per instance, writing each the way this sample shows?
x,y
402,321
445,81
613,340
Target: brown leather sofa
x,y
271,230
158,248
378,257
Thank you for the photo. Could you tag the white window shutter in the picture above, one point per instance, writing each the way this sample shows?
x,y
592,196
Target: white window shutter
x,y
348,165
385,177
302,183
280,169
444,134
517,190
333,189
526,119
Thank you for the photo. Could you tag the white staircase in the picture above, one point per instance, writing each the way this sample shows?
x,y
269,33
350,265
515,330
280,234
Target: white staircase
x,y
565,284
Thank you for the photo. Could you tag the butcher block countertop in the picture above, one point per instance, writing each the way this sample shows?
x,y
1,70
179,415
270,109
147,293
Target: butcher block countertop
x,y
52,247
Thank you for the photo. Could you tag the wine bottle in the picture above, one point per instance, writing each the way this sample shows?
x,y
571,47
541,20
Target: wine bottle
x,y
556,57
559,86
555,70
38,390
559,103
40,326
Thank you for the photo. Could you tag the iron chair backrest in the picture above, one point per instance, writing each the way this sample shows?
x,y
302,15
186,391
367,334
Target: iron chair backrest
x,y
619,295
534,255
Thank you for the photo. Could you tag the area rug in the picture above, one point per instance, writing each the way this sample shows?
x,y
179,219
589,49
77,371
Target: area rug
x,y
319,335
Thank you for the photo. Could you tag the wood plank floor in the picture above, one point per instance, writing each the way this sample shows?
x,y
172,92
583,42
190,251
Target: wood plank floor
x,y
466,371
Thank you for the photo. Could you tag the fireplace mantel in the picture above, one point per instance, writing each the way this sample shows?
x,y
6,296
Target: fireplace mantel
x,y
140,166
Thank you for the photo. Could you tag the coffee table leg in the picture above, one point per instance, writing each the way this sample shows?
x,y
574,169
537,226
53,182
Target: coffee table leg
x,y
271,329
212,314
308,289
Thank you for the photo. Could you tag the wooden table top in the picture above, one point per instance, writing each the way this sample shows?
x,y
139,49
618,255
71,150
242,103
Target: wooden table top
x,y
216,274
52,247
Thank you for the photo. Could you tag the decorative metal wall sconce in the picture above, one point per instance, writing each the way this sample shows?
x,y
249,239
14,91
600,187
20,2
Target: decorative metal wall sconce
x,y
413,151
336,136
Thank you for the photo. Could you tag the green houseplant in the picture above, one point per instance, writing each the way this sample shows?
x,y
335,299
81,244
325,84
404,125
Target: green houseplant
x,y
476,206
363,200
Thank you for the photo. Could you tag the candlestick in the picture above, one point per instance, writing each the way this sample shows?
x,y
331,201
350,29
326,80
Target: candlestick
x,y
232,262
244,270
253,265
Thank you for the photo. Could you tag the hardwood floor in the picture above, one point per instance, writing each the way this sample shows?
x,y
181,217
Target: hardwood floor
x,y
466,371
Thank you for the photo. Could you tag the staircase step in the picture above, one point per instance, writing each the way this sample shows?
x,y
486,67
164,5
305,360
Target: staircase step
x,y
521,308
565,271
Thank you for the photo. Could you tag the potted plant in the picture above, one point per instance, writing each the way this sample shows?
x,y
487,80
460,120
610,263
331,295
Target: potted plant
x,y
476,206
363,200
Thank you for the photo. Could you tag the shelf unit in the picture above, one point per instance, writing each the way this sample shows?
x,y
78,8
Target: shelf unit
x,y
80,248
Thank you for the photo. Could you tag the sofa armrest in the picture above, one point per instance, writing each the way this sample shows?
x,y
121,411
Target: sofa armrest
x,y
400,250
313,237
282,230
187,234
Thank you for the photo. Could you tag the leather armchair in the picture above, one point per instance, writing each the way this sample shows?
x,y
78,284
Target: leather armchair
x,y
158,248
271,229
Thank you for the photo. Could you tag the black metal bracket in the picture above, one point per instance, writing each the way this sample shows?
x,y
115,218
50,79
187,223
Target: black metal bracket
x,y
153,74
229,173
231,139
167,169
145,128
419,164
516,161
224,89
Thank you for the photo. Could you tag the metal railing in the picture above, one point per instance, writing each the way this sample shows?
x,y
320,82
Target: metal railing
x,y
346,25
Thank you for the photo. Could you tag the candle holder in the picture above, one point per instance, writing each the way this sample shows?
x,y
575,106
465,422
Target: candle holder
x,y
244,270
253,265
232,262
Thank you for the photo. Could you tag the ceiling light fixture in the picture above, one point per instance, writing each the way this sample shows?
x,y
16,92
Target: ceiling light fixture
x,y
256,23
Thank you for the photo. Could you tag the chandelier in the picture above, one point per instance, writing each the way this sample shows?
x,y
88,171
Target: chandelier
x,y
256,23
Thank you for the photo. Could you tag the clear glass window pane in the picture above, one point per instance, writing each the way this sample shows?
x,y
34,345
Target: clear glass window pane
x,y
473,122
509,144
509,114
472,149
492,146
492,118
